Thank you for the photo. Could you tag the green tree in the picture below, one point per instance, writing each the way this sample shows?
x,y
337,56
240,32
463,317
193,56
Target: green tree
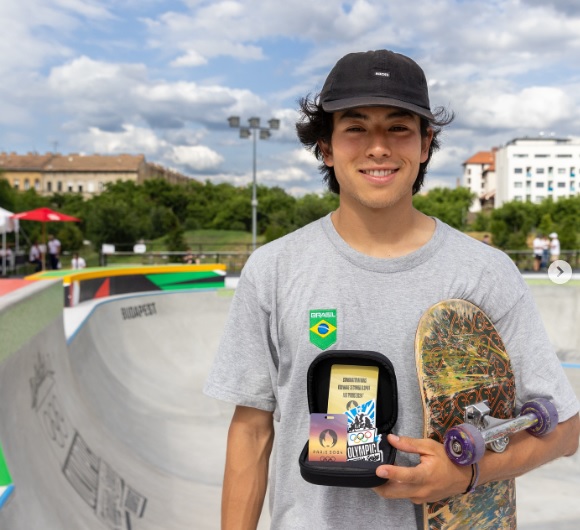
x,y
565,214
546,225
235,212
175,239
275,212
110,220
311,207
482,222
70,236
7,195
29,200
449,205
512,223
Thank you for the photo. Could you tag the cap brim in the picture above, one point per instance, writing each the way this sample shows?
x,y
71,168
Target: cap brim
x,y
351,103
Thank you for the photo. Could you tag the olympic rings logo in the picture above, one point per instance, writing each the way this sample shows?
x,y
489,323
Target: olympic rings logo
x,y
327,459
360,437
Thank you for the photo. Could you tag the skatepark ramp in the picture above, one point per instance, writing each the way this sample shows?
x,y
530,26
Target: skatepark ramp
x,y
104,426
110,429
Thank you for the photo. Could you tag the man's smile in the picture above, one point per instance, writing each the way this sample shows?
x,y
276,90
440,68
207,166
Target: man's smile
x,y
378,172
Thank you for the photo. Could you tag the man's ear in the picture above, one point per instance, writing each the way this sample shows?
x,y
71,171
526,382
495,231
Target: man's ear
x,y
426,144
326,150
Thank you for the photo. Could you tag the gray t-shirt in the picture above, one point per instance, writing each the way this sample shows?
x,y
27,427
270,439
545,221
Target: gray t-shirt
x,y
266,348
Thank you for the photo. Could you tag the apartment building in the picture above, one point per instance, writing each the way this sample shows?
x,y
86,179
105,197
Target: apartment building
x,y
480,177
524,169
532,169
76,173
24,172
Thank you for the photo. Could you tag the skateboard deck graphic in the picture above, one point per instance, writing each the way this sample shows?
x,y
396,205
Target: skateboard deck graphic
x,y
461,360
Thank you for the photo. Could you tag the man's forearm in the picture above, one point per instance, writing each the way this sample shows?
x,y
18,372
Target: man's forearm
x,y
246,473
526,452
436,477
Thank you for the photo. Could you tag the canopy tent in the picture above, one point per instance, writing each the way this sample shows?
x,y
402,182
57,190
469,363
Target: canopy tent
x,y
7,224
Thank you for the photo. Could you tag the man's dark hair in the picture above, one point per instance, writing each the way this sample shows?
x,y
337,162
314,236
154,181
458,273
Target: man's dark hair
x,y
315,124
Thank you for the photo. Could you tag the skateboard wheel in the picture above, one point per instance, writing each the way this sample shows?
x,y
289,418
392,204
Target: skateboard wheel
x,y
546,413
464,444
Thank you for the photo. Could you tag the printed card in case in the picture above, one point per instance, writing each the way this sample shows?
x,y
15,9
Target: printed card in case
x,y
351,386
327,442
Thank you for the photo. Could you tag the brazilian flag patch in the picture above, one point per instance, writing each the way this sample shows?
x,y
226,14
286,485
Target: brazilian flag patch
x,y
323,327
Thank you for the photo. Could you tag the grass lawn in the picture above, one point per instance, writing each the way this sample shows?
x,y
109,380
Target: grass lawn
x,y
570,283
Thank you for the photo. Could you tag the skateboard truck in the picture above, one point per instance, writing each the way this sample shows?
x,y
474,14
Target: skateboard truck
x,y
465,444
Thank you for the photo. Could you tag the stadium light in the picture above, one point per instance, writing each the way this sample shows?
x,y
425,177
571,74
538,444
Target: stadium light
x,y
254,129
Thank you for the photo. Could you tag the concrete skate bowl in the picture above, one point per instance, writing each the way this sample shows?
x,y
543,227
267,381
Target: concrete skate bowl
x,y
110,430
559,307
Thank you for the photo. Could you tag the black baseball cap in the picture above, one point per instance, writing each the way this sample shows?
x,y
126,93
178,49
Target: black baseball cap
x,y
376,78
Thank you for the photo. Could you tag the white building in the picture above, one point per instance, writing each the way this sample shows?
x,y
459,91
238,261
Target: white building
x,y
532,169
479,176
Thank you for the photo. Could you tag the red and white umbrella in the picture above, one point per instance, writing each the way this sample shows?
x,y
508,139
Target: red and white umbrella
x,y
45,215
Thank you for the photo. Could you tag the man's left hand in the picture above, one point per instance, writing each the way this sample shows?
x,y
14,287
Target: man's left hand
x,y
433,479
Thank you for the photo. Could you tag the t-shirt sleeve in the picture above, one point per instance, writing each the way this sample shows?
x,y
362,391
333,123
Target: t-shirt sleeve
x,y
244,367
538,370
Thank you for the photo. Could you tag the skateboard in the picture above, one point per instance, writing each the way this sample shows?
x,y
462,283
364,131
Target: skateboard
x,y
462,362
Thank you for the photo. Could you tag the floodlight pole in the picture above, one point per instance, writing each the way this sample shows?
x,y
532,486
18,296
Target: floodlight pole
x,y
252,129
254,195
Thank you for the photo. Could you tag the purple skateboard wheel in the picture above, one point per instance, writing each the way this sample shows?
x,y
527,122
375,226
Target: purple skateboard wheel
x,y
464,444
546,413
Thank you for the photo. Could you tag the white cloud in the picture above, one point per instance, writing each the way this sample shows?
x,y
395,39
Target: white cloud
x,y
534,107
162,77
35,31
187,158
570,7
110,94
299,157
130,140
284,175
196,157
190,58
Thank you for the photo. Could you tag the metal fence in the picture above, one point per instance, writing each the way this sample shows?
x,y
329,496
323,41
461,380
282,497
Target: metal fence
x,y
524,259
235,260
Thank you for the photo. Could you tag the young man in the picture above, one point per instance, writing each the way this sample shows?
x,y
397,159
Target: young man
x,y
54,249
554,247
538,248
378,264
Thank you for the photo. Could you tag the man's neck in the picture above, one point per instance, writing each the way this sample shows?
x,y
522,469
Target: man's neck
x,y
383,233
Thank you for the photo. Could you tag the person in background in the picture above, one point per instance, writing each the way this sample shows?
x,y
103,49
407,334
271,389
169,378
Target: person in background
x,y
538,247
545,252
35,256
486,239
54,248
554,247
189,258
77,262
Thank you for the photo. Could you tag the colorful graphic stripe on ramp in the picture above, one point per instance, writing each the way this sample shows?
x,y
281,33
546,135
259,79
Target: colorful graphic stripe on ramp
x,y
6,486
81,286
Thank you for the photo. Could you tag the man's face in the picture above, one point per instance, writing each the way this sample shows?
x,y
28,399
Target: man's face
x,y
376,153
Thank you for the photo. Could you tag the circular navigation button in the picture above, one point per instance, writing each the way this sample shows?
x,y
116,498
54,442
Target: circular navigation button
x,y
560,271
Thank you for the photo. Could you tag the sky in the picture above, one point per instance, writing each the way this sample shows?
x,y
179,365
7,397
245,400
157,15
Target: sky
x,y
162,77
